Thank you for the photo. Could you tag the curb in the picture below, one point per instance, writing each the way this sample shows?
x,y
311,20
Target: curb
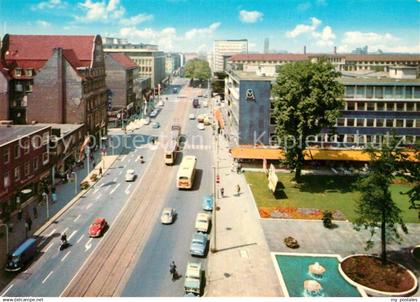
x,y
71,203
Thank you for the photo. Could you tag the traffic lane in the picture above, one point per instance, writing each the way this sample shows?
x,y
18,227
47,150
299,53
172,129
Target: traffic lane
x,y
105,201
172,242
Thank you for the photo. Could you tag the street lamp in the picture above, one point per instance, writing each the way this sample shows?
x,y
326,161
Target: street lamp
x,y
214,248
45,196
75,182
7,236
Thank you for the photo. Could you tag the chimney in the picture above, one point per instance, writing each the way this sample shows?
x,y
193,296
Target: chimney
x,y
304,50
335,50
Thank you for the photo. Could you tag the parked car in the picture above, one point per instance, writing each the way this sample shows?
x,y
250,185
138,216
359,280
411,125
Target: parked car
x,y
130,175
97,228
154,113
196,103
168,216
147,121
202,222
155,125
191,116
174,90
200,118
199,244
21,256
205,104
193,278
200,126
207,203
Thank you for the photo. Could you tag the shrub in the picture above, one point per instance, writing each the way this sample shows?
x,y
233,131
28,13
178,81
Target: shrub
x,y
291,242
94,177
84,185
327,219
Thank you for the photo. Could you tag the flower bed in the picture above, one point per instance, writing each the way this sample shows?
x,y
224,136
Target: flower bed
x,y
297,213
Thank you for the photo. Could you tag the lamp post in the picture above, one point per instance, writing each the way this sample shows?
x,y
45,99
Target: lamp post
x,y
7,236
214,246
75,182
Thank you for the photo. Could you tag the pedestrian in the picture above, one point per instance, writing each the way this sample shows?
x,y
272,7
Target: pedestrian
x,y
44,196
53,197
10,227
93,164
238,168
29,222
238,190
35,210
100,171
20,214
222,192
26,229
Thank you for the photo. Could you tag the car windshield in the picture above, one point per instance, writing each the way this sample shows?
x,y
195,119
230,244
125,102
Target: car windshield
x,y
196,241
203,221
15,259
166,214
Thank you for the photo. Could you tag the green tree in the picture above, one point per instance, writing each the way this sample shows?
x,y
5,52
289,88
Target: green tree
x,y
218,83
197,69
376,209
412,174
307,99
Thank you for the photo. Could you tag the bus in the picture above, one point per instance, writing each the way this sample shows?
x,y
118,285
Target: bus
x,y
186,172
21,256
175,132
171,149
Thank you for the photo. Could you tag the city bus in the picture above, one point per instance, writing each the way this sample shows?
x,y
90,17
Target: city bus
x,y
171,149
175,132
186,172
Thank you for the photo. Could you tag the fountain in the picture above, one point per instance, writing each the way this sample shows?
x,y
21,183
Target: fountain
x,y
312,288
316,270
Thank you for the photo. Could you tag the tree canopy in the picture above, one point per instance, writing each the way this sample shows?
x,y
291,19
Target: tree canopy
x,y
197,69
307,99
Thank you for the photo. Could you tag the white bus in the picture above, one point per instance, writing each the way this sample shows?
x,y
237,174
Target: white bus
x,y
186,172
171,149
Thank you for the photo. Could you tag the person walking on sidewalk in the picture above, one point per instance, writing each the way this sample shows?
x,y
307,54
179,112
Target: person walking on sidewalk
x,y
100,171
19,214
222,192
238,190
35,210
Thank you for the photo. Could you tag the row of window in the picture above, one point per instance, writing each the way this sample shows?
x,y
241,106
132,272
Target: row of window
x,y
382,106
366,122
146,62
24,147
364,139
23,72
26,169
380,92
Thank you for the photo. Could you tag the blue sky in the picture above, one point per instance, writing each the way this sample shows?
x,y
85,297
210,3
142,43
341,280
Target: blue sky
x,y
192,25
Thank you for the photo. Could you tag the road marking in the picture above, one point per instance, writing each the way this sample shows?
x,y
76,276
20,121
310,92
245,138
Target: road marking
x,y
46,278
5,292
77,218
99,196
72,234
96,190
88,245
88,206
65,230
65,256
48,247
123,158
137,159
127,190
52,232
113,190
41,242
102,185
115,179
119,173
80,239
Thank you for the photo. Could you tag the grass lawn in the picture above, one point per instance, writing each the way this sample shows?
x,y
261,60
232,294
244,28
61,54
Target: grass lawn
x,y
321,192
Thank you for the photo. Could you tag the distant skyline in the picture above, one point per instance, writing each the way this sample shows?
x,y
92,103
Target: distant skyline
x,y
192,25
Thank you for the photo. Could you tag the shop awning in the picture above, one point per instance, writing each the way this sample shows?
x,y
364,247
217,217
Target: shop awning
x,y
219,118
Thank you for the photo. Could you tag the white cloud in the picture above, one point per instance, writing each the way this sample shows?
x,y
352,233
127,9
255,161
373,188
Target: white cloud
x,y
386,42
101,10
196,32
50,4
164,38
134,20
303,28
250,16
43,23
326,37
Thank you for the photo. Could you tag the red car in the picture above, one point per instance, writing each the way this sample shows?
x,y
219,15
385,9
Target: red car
x,y
97,227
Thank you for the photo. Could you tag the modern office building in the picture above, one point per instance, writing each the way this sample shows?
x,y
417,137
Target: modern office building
x,y
266,45
117,43
223,49
172,62
376,104
55,79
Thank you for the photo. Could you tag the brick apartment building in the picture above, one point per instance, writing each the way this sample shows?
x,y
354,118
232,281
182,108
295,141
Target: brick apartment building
x,y
55,79
24,164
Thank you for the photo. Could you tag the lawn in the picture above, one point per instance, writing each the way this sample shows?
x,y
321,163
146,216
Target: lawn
x,y
320,192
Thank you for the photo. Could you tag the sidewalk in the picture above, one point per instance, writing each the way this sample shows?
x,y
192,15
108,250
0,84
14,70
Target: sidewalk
x,y
65,199
242,265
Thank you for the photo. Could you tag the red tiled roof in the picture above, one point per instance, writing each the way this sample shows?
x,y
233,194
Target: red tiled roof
x,y
383,57
124,60
269,57
38,48
71,58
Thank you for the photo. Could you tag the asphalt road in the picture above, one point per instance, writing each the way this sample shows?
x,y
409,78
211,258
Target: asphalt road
x,y
52,270
150,276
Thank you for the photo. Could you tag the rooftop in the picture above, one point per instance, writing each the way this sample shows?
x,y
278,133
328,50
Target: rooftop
x,y
250,76
64,128
14,132
123,60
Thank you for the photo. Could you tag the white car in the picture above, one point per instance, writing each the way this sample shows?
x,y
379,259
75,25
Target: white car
x,y
202,222
168,216
205,104
191,116
200,126
147,121
130,175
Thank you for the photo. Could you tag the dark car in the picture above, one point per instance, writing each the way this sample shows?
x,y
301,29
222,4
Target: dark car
x,y
25,252
196,103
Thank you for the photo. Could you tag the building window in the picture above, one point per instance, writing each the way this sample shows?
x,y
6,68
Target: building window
x,y
379,93
18,72
398,92
370,106
361,106
360,122
350,106
369,92
350,138
349,91
350,122
26,169
417,92
400,123
400,106
6,179
408,92
369,123
360,91
410,106
17,151
388,92
409,123
17,173
26,147
389,106
6,156
380,106
35,163
389,123
379,123
340,122
418,124
45,158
